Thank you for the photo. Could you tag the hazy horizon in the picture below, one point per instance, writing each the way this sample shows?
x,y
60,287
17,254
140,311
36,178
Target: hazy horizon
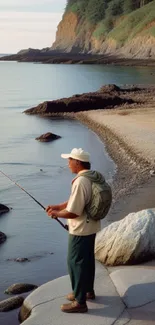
x,y
30,24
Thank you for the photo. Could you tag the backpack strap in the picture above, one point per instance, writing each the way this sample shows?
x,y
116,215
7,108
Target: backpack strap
x,y
74,179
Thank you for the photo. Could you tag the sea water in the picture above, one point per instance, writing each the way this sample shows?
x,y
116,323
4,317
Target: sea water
x,y
38,167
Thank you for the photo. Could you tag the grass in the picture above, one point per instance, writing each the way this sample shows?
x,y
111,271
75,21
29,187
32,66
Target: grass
x,y
134,24
100,30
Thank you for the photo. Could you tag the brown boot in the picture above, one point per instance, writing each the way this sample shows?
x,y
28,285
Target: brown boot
x,y
89,295
74,307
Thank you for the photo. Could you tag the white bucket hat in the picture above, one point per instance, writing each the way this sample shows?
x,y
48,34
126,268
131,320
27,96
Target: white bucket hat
x,y
78,154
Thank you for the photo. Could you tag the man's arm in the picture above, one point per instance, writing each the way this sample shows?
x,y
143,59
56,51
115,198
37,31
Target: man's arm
x,y
57,207
61,214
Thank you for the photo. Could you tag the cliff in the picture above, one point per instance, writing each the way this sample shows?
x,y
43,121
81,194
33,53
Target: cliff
x,y
130,35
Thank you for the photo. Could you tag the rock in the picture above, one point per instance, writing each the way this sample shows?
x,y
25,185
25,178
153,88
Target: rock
x,y
28,259
109,88
11,303
83,102
2,237
128,241
48,137
18,288
22,259
3,208
152,172
18,259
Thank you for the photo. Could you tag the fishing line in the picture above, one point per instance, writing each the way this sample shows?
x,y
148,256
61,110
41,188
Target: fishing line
x,y
61,223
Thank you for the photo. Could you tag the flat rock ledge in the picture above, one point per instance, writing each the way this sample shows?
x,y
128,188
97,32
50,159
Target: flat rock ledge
x,y
2,237
123,295
43,305
108,96
11,303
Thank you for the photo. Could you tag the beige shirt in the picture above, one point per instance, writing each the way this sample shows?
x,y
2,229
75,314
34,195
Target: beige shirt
x,y
80,196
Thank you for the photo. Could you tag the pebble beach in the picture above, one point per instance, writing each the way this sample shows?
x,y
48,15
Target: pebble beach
x,y
129,136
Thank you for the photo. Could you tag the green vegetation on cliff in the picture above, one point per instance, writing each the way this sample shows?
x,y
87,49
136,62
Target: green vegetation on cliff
x,y
96,10
117,19
139,22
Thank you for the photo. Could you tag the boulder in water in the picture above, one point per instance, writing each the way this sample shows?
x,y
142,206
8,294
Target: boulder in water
x,y
3,208
22,259
128,241
11,303
18,288
2,237
47,137
19,259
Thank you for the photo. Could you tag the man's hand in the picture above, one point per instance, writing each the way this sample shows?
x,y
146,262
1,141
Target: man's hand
x,y
51,212
52,207
56,213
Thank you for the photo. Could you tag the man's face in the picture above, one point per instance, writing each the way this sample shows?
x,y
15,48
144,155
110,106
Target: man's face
x,y
72,164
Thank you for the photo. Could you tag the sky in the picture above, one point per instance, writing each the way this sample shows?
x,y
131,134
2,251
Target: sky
x,y
29,23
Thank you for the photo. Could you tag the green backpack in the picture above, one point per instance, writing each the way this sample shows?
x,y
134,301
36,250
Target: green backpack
x,y
101,196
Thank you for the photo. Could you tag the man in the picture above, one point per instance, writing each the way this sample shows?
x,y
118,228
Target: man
x,y
82,232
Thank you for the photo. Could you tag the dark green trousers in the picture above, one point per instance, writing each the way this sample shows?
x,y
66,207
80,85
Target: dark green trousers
x,y
81,265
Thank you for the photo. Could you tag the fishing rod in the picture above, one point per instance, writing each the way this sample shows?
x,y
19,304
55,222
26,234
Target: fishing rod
x,y
61,223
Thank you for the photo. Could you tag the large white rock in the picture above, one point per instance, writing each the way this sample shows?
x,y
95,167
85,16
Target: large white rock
x,y
128,241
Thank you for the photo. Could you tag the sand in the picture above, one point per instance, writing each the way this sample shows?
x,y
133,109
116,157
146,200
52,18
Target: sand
x,y
129,137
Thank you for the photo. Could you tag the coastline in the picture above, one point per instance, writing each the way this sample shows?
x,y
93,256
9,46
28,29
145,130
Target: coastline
x,y
133,190
126,125
133,186
54,57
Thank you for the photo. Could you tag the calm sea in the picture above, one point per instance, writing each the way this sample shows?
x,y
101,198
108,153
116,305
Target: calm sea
x,y
38,167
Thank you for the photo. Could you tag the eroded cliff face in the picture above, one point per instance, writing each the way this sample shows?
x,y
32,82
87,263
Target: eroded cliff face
x,y
66,33
76,35
73,35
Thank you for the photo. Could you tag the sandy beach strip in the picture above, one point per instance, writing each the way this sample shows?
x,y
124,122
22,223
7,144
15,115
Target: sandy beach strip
x,y
129,137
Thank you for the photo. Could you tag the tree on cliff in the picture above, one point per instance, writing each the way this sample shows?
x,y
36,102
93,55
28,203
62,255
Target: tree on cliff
x,y
96,10
131,5
115,8
78,6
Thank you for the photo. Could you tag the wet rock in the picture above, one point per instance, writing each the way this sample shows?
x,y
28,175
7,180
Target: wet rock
x,y
77,103
128,241
2,237
18,288
47,137
24,313
29,259
11,303
3,208
19,259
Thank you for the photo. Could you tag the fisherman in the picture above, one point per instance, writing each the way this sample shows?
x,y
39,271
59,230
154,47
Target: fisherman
x,y
82,232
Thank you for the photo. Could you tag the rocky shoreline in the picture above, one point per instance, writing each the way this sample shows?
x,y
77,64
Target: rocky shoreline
x,y
133,184
54,57
107,97
133,168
